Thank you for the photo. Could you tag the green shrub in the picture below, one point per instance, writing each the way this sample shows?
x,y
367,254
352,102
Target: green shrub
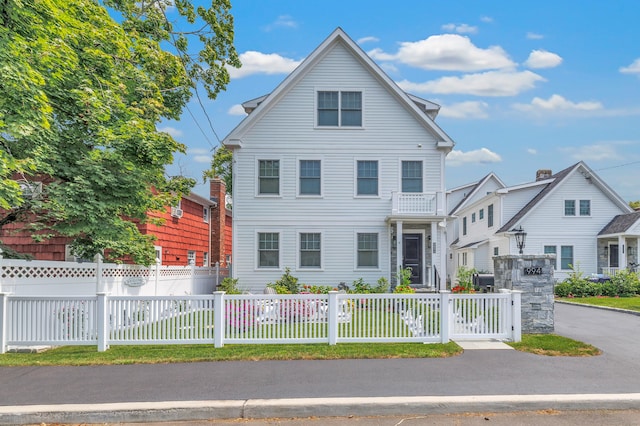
x,y
465,279
624,283
382,287
287,284
360,287
404,289
318,289
229,286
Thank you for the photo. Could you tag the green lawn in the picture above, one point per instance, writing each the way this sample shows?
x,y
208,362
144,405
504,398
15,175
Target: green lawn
x,y
554,345
159,354
630,303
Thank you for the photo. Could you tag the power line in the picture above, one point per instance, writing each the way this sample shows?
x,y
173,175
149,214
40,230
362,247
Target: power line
x,y
620,165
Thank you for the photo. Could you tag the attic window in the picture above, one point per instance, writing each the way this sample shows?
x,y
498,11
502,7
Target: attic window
x,y
340,109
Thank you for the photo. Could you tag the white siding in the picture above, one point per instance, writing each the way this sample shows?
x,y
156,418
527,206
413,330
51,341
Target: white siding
x,y
286,132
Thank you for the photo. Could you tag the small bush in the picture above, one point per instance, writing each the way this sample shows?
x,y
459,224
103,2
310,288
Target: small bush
x,y
287,284
404,289
229,286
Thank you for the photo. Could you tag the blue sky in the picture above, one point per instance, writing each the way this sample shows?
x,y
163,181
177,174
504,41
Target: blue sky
x,y
523,85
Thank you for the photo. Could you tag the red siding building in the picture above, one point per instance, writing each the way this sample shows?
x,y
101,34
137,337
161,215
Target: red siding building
x,y
193,232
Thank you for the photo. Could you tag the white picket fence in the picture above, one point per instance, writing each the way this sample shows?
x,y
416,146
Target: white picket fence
x,y
37,278
105,320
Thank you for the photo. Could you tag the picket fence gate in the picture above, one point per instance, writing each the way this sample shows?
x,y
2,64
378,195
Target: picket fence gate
x,y
220,318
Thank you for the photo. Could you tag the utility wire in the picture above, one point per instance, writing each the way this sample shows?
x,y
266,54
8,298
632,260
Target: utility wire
x,y
620,165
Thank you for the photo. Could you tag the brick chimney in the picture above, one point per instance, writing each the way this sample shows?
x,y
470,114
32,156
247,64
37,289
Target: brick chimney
x,y
217,193
543,174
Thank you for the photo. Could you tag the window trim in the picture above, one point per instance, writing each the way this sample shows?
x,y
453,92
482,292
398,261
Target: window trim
x,y
356,259
401,172
340,90
573,256
206,214
355,173
299,250
588,214
490,214
564,204
257,249
258,193
299,178
555,251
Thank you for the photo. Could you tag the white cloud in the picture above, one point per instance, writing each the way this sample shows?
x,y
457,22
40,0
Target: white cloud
x,y
634,68
460,28
532,151
175,133
449,52
200,155
237,109
543,59
534,36
262,63
558,103
478,156
469,109
368,39
597,152
487,19
490,83
283,21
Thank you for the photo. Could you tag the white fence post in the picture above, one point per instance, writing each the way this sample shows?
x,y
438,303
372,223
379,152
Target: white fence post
x,y
516,315
218,319
3,322
332,317
217,273
446,313
103,322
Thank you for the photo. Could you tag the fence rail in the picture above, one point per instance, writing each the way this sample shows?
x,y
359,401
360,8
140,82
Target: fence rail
x,y
332,318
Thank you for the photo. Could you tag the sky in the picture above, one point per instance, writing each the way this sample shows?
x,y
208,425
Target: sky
x,y
523,85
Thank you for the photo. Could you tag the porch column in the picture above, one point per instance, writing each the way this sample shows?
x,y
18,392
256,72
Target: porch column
x,y
622,253
399,256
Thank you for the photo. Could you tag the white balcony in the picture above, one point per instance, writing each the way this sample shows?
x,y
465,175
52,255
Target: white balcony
x,y
414,203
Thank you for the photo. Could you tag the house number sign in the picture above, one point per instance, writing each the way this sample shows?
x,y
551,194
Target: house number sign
x,y
533,271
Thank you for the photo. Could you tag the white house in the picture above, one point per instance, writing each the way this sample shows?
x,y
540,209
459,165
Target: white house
x,y
338,175
573,214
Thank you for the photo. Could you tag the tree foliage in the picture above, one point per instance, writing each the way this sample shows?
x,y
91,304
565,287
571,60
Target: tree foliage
x,y
634,204
222,167
84,85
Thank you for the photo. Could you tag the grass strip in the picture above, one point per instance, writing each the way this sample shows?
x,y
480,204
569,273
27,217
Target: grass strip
x,y
162,354
629,303
554,345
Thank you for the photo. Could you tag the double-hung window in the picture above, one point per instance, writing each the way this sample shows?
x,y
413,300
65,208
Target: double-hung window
x,y
268,250
340,108
490,216
412,176
310,254
367,250
585,207
269,177
367,177
566,257
569,207
309,177
464,225
552,250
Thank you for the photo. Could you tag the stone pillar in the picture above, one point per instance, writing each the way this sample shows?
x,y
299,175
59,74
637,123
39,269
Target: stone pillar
x,y
533,275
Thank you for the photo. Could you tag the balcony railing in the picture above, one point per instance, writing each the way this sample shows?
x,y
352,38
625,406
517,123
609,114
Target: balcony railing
x,y
414,203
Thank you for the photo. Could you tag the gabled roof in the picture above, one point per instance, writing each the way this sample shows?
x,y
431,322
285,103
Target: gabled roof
x,y
620,224
474,190
555,181
259,106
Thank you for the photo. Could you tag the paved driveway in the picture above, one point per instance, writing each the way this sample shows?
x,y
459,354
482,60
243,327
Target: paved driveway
x,y
478,372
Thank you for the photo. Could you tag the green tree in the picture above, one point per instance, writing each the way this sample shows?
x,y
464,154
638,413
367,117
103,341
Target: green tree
x,y
84,84
222,167
634,204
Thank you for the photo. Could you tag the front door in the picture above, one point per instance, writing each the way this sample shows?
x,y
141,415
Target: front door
x,y
613,256
412,256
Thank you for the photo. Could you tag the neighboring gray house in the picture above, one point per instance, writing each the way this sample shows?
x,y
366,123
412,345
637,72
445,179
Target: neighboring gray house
x,y
338,175
573,214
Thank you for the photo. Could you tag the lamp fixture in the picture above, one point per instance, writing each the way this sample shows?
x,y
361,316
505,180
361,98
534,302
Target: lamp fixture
x,y
520,237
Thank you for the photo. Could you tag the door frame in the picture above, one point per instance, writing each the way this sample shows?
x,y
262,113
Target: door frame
x,y
421,259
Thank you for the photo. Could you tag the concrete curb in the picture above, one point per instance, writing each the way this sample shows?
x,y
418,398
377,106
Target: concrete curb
x,y
306,407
